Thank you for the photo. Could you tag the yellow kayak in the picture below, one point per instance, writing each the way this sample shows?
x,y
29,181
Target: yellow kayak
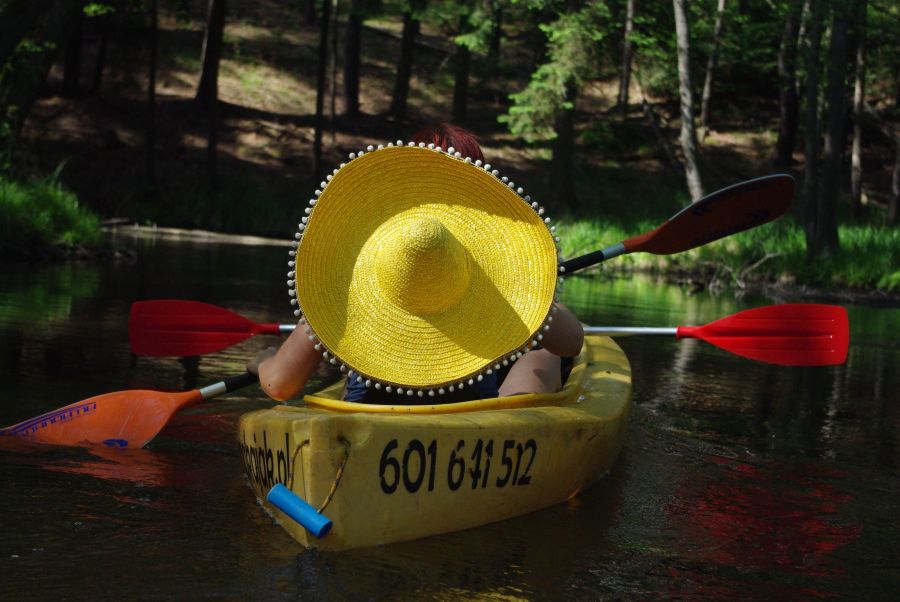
x,y
384,474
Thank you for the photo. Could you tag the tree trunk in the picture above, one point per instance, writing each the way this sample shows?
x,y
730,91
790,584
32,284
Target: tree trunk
x,y
711,67
212,142
811,125
207,90
404,65
461,77
151,100
627,54
321,72
537,37
72,63
688,131
332,61
495,9
787,78
100,62
859,95
893,213
351,60
826,241
562,191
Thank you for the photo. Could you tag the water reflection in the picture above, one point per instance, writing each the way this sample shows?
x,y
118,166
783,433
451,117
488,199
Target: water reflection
x,y
137,466
35,296
739,479
839,412
771,517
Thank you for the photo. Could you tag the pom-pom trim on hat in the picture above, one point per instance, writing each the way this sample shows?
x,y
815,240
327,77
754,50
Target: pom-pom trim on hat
x,y
440,388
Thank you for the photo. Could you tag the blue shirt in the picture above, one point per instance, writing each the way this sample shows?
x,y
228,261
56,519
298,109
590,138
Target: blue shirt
x,y
486,388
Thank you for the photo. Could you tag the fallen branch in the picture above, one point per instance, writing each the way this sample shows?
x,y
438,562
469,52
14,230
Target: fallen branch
x,y
718,281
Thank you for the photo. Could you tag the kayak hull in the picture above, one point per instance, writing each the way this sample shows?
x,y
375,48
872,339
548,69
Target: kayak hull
x,y
384,474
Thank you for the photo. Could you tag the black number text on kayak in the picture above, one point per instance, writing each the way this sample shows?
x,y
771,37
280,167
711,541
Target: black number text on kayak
x,y
418,466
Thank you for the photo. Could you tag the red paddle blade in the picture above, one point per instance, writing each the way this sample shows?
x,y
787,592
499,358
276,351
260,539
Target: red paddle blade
x,y
182,328
717,215
791,335
121,419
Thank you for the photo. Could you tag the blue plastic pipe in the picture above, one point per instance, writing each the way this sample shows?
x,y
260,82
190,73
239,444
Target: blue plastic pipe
x,y
288,502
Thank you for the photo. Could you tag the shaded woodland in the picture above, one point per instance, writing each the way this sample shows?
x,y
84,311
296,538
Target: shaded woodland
x,y
224,114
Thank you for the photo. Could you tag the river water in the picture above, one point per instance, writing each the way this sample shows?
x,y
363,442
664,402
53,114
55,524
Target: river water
x,y
739,480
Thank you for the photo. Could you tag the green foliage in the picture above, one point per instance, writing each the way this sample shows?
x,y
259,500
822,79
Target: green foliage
x,y
868,258
6,144
98,9
43,213
748,47
653,38
477,35
882,42
890,282
572,43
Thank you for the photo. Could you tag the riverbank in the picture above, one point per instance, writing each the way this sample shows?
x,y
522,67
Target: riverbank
x,y
770,260
704,269
40,219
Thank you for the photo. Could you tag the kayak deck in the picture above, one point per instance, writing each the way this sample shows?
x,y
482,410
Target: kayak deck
x,y
393,473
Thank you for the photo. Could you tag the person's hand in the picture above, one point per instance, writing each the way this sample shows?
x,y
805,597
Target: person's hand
x,y
253,365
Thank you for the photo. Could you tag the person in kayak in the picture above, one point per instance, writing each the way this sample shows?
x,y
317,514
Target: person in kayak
x,y
284,371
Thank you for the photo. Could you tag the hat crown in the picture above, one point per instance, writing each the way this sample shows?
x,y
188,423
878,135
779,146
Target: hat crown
x,y
423,268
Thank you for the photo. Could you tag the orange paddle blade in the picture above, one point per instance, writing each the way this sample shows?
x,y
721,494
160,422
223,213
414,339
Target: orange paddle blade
x,y
120,419
124,418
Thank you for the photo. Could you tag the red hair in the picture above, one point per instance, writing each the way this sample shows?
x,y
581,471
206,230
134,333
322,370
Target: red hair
x,y
446,135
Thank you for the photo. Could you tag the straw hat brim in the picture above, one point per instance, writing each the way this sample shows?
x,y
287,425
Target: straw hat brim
x,y
511,254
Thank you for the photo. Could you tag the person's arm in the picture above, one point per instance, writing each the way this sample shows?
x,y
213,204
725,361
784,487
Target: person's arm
x,y
565,336
284,372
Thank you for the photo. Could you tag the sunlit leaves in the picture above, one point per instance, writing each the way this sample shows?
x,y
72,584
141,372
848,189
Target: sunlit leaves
x,y
573,42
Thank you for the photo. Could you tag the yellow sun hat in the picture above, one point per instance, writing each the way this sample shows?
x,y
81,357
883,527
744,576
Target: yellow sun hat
x,y
421,270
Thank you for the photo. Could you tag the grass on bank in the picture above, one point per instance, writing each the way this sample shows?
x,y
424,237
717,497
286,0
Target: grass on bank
x,y
40,214
869,256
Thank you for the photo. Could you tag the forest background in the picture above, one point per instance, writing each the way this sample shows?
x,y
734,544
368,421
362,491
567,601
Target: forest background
x,y
225,115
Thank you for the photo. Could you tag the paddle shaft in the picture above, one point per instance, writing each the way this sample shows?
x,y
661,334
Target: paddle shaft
x,y
725,212
232,383
624,331
610,331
